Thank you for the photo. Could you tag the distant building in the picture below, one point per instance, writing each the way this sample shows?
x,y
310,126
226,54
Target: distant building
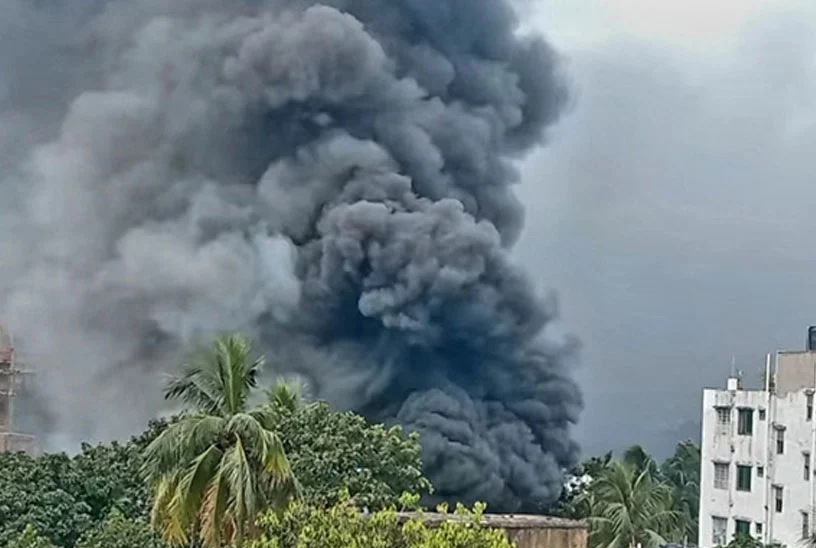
x,y
757,465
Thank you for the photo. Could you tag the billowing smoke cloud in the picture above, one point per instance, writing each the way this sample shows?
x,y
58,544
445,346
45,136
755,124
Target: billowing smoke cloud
x,y
332,177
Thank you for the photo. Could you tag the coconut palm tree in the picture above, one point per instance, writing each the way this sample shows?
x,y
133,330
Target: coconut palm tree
x,y
629,507
213,470
682,472
285,396
637,458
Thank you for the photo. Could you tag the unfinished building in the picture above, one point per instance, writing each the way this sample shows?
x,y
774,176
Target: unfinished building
x,y
11,375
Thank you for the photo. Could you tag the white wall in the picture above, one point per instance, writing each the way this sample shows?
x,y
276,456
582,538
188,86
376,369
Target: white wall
x,y
759,449
726,446
788,468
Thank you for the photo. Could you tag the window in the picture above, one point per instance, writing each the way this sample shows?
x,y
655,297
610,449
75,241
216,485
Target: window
x,y
720,475
758,528
809,408
719,528
743,478
723,416
742,527
762,414
805,525
745,422
806,465
778,497
780,441
760,471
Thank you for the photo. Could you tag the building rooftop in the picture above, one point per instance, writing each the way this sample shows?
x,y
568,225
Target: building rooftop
x,y
503,521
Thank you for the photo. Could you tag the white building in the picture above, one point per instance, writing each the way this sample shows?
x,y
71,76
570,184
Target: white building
x,y
757,468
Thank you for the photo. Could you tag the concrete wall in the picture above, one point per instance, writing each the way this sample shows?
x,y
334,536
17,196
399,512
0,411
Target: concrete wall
x,y
721,444
795,371
14,443
548,537
787,469
786,412
526,531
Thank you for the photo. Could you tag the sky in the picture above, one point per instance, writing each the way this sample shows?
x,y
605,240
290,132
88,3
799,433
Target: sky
x,y
672,210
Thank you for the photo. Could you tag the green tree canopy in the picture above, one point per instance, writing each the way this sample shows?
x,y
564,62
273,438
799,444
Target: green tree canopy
x,y
627,507
639,460
62,496
682,472
335,452
51,493
343,526
679,475
117,531
29,538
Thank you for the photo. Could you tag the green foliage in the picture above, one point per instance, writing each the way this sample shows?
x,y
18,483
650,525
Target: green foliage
x,y
570,503
218,466
682,472
628,506
117,531
343,526
679,475
61,497
107,477
333,452
42,493
29,538
336,452
466,532
639,460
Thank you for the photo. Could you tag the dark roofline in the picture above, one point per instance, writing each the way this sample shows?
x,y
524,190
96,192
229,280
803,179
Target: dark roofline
x,y
503,521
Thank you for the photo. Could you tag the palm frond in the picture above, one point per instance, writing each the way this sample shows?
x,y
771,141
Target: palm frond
x,y
194,388
172,527
237,371
285,396
193,483
179,443
213,509
239,477
262,443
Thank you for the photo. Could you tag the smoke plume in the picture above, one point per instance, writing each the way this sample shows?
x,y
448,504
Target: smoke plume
x,y
333,178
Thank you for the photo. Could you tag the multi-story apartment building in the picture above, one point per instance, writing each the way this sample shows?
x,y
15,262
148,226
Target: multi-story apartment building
x,y
757,455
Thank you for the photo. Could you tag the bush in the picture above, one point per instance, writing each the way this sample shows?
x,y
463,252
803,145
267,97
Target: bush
x,y
61,497
343,526
120,532
29,538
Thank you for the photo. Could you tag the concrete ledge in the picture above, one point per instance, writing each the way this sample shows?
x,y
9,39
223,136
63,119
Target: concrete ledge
x,y
524,531
501,521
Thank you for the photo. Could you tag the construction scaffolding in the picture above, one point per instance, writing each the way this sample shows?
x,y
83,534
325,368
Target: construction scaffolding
x,y
11,374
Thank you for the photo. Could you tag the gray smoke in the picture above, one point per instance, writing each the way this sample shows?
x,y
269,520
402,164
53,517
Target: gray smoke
x,y
333,178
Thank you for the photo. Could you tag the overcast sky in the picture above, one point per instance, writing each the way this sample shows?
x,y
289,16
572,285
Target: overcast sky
x,y
673,209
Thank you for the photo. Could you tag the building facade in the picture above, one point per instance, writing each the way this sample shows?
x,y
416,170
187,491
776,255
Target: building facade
x,y
757,466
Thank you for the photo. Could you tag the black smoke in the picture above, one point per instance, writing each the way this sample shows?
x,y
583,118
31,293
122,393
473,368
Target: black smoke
x,y
333,177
